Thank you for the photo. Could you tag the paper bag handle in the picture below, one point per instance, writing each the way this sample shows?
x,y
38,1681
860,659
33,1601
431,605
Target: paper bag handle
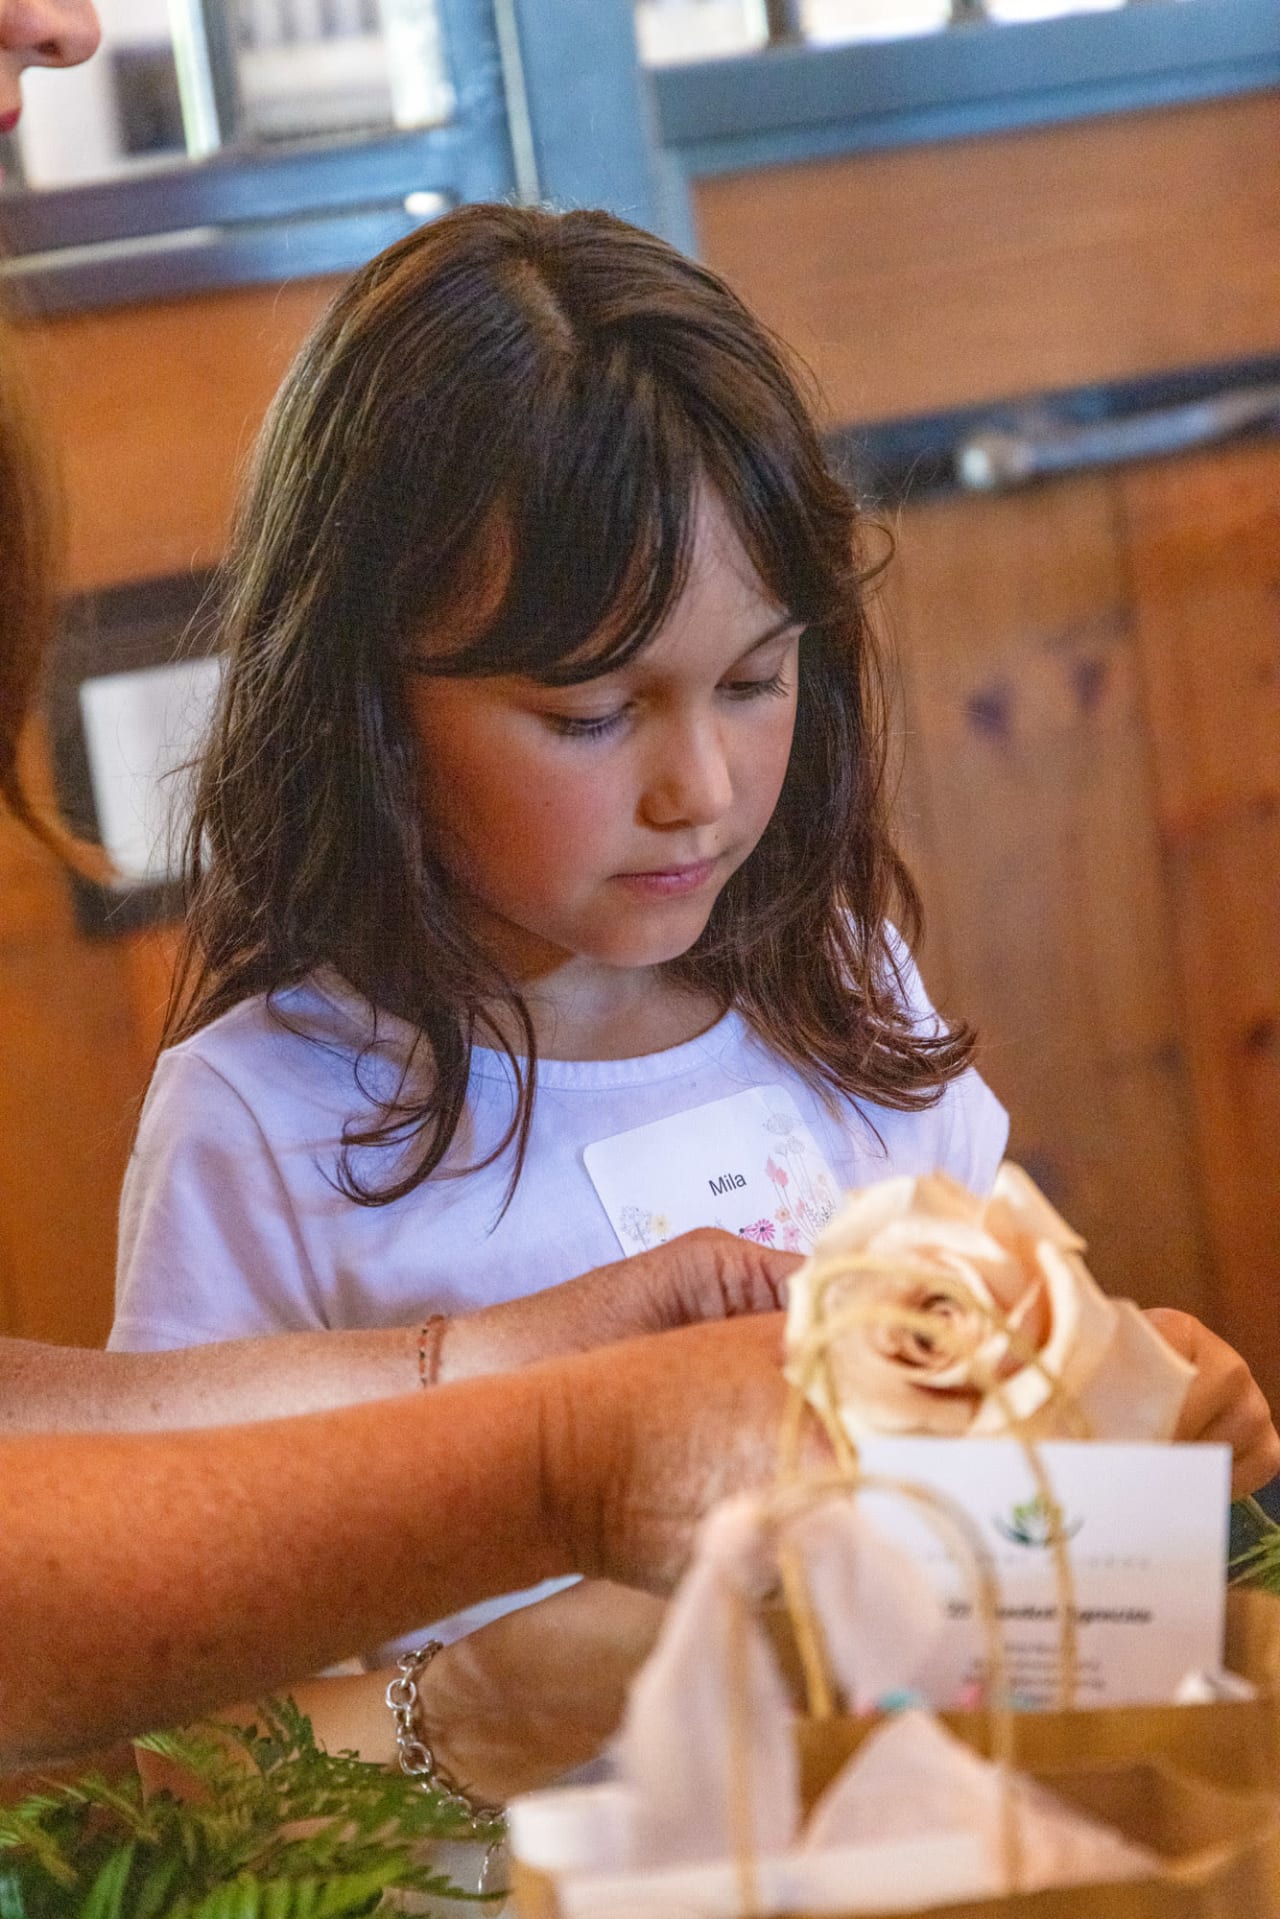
x,y
814,1371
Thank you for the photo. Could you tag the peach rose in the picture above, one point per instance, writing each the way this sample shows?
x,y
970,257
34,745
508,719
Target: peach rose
x,y
951,1314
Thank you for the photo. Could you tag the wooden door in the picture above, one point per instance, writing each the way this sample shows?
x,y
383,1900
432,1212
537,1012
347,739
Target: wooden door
x,y
1090,695
149,413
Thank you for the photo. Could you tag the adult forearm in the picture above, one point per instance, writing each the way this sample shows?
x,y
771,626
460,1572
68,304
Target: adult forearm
x,y
702,1275
144,1578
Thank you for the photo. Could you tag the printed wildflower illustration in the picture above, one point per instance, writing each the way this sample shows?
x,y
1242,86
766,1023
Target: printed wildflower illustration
x,y
642,1228
746,1164
806,1199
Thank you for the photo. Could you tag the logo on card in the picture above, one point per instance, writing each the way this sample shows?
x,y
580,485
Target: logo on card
x,y
1038,1523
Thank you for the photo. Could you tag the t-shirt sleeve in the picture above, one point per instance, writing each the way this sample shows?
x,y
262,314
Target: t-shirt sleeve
x,y
209,1247
975,1126
977,1133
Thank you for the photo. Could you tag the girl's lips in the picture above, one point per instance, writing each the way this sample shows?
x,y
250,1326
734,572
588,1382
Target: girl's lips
x,y
8,121
672,882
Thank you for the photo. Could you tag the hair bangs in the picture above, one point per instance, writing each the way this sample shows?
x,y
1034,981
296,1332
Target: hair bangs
x,y
594,531
797,522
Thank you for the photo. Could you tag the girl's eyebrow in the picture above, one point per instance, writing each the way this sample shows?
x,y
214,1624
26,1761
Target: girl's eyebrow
x,y
785,625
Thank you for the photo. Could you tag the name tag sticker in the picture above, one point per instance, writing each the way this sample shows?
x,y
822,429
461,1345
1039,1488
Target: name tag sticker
x,y
1144,1529
747,1163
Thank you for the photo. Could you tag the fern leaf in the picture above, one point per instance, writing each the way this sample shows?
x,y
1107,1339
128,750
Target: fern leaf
x,y
12,1903
156,1887
105,1897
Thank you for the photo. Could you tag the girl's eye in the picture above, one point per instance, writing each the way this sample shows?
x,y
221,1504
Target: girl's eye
x,y
756,689
585,727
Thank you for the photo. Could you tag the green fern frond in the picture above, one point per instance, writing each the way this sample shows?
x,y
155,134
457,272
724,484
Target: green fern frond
x,y
1255,1547
279,1830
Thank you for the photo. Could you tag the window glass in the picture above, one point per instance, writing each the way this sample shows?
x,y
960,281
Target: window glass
x,y
178,79
674,30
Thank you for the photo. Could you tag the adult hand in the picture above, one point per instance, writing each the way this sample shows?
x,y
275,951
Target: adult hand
x,y
522,1701
512,1707
702,1275
1225,1403
638,1440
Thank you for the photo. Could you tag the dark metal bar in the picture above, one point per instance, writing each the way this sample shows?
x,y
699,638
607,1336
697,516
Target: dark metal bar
x,y
784,22
996,459
224,68
230,187
590,106
201,259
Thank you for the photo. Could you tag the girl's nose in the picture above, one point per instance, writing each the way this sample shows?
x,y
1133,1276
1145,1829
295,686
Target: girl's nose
x,y
49,33
690,784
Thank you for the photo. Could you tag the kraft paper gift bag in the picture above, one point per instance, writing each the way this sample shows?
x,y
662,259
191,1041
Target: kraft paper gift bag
x,y
1216,1848
1230,1742
1208,1851
1214,1851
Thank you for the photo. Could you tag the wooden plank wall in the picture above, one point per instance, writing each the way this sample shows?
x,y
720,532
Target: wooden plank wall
x,y
1090,671
1204,548
937,277
1030,806
149,412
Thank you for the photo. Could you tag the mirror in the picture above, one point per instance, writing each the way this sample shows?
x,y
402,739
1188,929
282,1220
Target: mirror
x,y
180,79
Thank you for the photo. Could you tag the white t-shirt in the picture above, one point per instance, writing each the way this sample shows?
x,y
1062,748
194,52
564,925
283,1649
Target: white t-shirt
x,y
232,1223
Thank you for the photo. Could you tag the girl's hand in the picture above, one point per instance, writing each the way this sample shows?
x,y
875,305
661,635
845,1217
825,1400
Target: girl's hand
x,y
1225,1403
702,1275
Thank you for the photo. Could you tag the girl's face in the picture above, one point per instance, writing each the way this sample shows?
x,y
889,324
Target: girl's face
x,y
40,33
597,823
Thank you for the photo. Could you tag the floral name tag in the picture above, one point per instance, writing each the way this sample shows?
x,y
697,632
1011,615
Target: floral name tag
x,y
747,1163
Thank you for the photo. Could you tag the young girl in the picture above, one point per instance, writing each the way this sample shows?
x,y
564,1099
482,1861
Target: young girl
x,y
544,803
542,892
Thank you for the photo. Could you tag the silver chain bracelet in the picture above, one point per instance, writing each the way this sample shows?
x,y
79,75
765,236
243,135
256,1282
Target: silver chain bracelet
x,y
416,1758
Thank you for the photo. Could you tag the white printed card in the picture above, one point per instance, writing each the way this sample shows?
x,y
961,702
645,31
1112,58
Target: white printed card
x,y
747,1163
1145,1529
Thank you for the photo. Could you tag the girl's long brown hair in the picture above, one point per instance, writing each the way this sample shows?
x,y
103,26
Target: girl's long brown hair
x,y
559,386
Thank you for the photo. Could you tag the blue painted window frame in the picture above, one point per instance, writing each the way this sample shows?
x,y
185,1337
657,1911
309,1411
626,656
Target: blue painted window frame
x,y
552,102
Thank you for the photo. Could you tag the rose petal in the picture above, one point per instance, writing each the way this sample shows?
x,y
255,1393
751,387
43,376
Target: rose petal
x,y
1004,1352
896,1407
867,1212
939,1196
1082,1320
1081,1327
1138,1390
1017,1209
876,1394
962,1239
